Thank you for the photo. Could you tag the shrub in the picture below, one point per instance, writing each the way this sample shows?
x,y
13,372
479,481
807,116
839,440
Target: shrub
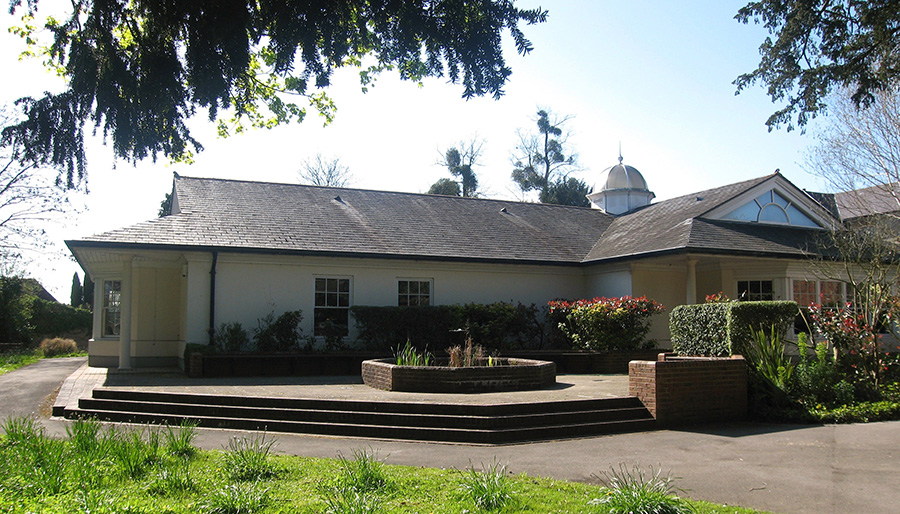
x,y
499,325
725,328
700,329
608,323
58,346
52,318
408,356
241,498
817,380
231,337
14,312
281,334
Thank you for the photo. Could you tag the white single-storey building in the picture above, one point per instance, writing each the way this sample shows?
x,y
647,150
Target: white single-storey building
x,y
235,251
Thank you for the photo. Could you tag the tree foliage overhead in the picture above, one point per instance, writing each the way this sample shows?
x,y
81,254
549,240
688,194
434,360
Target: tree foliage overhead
x,y
138,70
543,159
817,45
444,186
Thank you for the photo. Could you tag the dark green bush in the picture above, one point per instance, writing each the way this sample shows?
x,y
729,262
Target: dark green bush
x,y
231,337
499,325
52,318
744,317
698,329
281,334
13,313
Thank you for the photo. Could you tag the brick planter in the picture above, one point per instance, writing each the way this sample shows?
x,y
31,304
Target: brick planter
x,y
688,390
514,375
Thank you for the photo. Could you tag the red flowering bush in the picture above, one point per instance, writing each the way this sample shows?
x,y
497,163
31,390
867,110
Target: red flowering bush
x,y
719,297
855,341
607,323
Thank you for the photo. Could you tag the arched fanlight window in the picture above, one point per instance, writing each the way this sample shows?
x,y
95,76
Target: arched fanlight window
x,y
771,207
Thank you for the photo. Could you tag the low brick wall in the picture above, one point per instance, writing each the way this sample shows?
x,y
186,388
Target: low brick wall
x,y
689,390
517,374
275,364
585,362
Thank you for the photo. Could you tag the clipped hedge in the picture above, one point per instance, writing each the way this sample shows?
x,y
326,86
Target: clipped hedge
x,y
53,319
721,329
499,325
700,329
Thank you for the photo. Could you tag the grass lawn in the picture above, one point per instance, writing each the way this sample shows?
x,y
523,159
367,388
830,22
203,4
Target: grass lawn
x,y
10,361
157,470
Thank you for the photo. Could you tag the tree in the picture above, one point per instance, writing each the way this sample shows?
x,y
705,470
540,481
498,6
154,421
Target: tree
x,y
860,149
87,294
30,197
542,159
76,297
165,206
820,45
320,171
858,154
460,161
444,186
139,70
568,191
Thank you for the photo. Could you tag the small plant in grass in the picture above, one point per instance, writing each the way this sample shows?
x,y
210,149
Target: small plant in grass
x,y
364,474
180,439
490,488
346,500
58,346
22,430
248,458
172,480
633,491
408,356
238,498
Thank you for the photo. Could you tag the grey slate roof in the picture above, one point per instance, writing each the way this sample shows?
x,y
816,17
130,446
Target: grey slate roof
x,y
285,218
228,214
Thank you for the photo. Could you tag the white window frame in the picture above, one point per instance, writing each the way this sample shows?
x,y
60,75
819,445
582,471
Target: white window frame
x,y
111,308
318,310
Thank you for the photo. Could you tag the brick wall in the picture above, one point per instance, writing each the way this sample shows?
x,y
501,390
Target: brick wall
x,y
516,374
688,390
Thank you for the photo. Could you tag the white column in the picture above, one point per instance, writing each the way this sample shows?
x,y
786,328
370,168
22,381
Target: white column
x,y
691,295
125,320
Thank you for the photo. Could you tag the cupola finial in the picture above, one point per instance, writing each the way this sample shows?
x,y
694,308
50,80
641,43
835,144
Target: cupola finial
x,y
620,152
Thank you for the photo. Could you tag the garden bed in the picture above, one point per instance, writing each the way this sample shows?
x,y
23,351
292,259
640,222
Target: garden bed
x,y
511,374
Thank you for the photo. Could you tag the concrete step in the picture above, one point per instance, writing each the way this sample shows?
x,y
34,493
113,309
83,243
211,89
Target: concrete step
x,y
484,424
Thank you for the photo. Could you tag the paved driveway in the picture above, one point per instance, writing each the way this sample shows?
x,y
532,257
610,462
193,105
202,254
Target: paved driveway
x,y
25,390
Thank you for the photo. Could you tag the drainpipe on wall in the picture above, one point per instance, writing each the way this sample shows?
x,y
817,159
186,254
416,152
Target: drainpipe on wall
x,y
212,297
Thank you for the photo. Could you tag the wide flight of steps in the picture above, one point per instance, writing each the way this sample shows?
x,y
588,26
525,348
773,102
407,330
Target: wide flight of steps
x,y
482,424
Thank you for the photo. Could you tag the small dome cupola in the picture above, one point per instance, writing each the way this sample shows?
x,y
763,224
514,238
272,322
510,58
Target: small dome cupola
x,y
621,189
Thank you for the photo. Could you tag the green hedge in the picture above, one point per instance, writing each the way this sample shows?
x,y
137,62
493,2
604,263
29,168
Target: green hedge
x,y
721,329
499,325
54,319
700,329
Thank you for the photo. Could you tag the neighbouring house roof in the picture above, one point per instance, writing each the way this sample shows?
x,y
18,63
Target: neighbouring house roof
x,y
35,288
284,218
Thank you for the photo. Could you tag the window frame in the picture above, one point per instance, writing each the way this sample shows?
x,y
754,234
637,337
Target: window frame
x,y
322,313
111,309
408,295
757,296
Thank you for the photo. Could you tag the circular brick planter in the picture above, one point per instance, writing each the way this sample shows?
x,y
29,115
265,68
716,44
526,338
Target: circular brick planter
x,y
511,375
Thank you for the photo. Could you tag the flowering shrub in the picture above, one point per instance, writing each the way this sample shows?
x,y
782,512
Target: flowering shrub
x,y
855,341
719,297
607,323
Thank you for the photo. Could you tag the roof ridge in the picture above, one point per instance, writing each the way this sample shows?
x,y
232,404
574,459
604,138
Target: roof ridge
x,y
382,191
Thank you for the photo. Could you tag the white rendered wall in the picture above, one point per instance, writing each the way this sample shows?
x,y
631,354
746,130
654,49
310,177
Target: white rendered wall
x,y
249,287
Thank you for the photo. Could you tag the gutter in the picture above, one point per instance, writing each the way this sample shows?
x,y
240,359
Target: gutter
x,y
212,296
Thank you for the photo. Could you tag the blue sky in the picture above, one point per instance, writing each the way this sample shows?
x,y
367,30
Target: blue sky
x,y
655,76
